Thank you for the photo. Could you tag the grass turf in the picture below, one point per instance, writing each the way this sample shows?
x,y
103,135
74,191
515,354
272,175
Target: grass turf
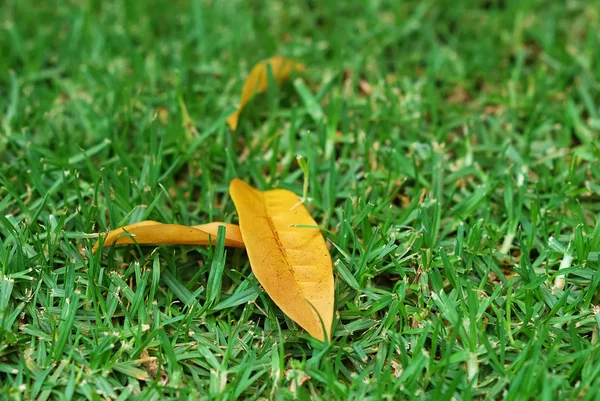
x,y
452,152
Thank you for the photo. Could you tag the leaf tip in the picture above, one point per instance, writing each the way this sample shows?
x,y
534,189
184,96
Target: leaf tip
x,y
232,120
236,185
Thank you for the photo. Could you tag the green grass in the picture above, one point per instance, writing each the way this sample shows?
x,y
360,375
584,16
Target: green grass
x,y
452,194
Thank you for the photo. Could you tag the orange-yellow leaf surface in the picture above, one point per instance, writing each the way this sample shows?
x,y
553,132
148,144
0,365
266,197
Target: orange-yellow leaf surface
x,y
257,81
291,263
152,232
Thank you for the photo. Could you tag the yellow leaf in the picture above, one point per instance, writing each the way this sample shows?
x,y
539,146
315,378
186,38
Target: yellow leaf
x,y
291,263
152,232
257,81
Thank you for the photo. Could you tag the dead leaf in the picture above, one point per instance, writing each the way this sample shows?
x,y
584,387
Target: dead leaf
x,y
257,81
459,95
297,378
152,232
291,263
152,366
365,87
163,115
287,251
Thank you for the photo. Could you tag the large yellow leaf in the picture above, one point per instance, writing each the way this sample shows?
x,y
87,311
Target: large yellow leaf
x,y
257,81
291,263
152,232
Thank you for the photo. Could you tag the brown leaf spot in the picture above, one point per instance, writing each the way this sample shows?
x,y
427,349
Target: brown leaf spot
x,y
459,95
365,87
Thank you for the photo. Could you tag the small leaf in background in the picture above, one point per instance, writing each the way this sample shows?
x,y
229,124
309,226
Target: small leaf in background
x,y
291,263
155,233
257,81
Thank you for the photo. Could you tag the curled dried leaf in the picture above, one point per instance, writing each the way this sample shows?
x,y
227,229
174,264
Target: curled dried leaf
x,y
155,233
257,81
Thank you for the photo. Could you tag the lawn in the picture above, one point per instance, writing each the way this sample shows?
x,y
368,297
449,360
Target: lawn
x,y
453,164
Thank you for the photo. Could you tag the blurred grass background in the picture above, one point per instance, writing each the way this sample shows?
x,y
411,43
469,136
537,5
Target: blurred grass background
x,y
453,155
